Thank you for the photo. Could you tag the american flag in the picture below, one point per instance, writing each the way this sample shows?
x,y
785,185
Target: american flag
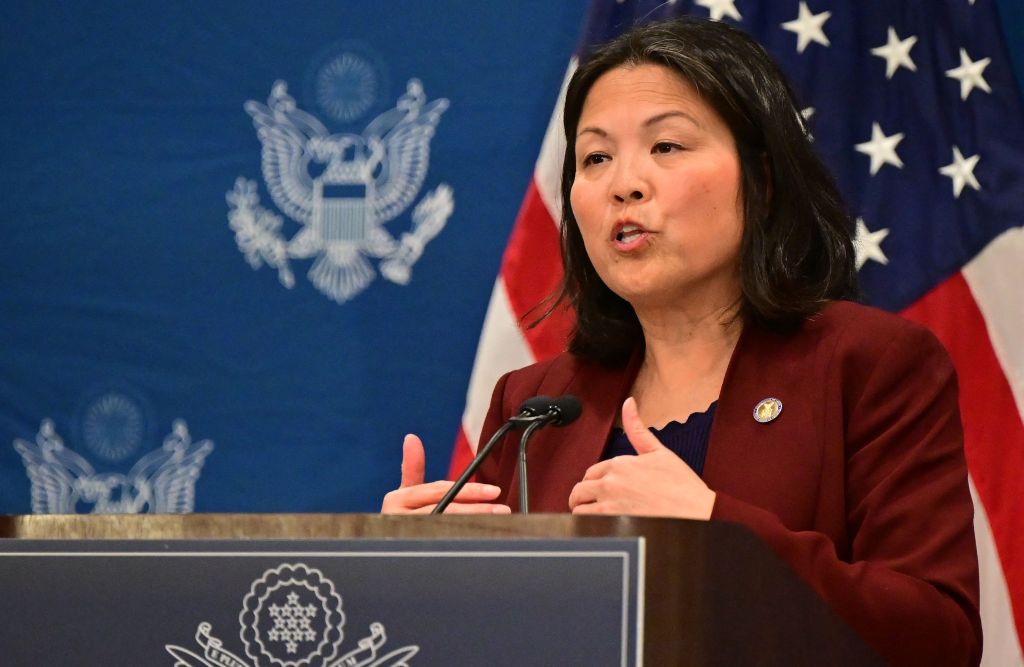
x,y
914,106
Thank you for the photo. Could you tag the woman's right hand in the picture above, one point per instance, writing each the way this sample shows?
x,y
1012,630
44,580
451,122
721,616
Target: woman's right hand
x,y
415,497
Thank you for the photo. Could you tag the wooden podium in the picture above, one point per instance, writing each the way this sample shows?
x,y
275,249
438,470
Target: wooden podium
x,y
713,594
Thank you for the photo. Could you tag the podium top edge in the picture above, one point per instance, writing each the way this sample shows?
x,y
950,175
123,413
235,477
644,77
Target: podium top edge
x,y
334,526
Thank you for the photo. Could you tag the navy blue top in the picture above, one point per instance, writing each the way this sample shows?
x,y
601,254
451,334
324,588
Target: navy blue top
x,y
688,440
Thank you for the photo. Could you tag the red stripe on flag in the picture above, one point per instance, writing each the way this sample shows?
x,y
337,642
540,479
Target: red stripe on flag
x,y
461,456
532,269
993,432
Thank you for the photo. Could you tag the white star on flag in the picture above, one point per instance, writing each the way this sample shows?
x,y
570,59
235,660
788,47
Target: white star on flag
x,y
808,27
970,74
720,8
868,244
881,149
896,53
961,170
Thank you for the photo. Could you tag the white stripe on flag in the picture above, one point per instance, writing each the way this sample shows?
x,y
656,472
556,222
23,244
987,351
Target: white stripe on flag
x,y
1001,647
502,348
995,277
547,174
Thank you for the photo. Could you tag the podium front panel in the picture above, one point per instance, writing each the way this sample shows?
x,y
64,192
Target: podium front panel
x,y
335,603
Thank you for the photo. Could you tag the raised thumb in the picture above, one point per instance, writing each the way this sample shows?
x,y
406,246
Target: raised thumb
x,y
643,441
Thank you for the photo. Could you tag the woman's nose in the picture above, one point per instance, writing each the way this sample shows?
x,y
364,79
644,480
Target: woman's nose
x,y
629,186
635,195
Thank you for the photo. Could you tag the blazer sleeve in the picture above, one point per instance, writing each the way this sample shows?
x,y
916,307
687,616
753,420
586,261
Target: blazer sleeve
x,y
908,580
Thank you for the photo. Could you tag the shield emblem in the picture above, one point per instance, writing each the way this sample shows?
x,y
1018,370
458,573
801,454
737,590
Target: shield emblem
x,y
340,213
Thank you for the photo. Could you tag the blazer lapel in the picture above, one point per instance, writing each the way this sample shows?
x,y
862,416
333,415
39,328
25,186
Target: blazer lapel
x,y
559,456
747,458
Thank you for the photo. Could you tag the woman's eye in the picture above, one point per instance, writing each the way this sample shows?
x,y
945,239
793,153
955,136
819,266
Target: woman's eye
x,y
666,147
594,158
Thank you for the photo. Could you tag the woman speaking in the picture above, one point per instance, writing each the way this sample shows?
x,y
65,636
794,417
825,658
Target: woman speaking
x,y
709,264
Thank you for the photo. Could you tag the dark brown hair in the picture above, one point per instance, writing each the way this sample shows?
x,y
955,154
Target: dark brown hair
x,y
796,251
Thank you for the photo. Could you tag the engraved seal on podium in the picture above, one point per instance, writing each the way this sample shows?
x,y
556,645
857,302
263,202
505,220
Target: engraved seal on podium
x,y
292,617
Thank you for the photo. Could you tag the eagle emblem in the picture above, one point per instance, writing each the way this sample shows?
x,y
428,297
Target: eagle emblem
x,y
163,481
342,189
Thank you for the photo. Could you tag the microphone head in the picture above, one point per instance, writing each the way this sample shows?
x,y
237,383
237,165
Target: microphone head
x,y
566,408
535,406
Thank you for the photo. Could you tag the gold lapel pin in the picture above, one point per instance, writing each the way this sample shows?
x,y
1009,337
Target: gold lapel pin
x,y
767,410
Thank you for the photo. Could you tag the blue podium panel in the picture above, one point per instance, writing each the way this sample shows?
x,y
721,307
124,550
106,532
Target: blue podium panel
x,y
340,603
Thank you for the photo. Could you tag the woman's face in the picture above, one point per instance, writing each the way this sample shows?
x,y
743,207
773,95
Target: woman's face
x,y
657,190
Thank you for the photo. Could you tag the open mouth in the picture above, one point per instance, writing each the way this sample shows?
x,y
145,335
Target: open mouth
x,y
629,232
628,235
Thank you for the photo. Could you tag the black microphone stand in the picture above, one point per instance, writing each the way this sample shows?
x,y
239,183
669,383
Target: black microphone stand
x,y
524,504
519,420
534,413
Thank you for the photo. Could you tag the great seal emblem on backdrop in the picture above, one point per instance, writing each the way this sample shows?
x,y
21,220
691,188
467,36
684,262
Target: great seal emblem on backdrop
x,y
341,188
162,481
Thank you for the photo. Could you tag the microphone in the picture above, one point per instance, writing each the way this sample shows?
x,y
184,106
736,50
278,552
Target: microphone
x,y
533,410
558,411
566,408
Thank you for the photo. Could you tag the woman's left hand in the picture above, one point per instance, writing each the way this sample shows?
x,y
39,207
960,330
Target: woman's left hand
x,y
656,482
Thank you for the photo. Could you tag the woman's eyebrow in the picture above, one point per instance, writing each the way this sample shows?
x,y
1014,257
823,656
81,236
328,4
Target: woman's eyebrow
x,y
653,120
594,130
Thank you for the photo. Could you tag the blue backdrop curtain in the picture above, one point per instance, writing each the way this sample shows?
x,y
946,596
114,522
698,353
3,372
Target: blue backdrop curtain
x,y
245,247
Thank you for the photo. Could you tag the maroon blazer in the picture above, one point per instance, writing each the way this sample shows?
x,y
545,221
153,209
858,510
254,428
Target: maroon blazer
x,y
860,484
